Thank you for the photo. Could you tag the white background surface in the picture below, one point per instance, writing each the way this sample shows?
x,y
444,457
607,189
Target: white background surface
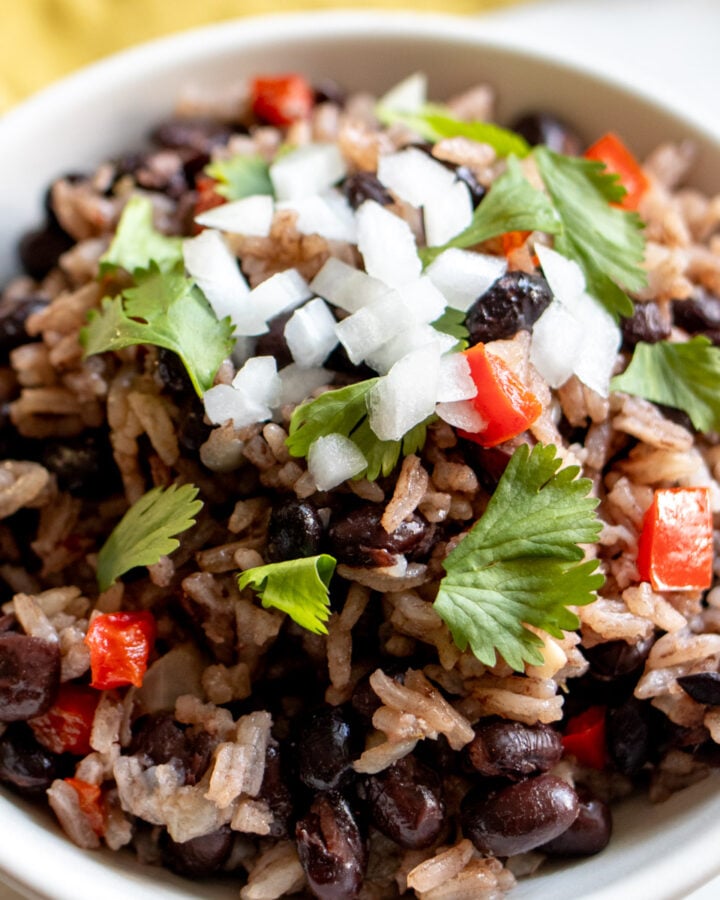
x,y
671,47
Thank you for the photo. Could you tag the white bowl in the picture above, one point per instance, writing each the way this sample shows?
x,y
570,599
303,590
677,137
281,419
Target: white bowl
x,y
663,851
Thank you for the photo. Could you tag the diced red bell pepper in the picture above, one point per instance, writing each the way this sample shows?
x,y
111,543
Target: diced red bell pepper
x,y
281,99
66,726
120,644
90,801
675,550
609,149
584,738
207,196
502,401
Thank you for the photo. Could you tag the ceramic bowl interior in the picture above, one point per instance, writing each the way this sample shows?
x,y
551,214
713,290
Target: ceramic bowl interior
x,y
661,852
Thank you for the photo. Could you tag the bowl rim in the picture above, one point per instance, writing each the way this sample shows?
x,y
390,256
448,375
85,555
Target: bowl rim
x,y
160,54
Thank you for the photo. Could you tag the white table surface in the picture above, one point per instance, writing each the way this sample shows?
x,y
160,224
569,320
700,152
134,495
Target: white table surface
x,y
669,47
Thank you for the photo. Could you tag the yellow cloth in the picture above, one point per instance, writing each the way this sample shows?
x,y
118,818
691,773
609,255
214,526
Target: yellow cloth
x,y
41,40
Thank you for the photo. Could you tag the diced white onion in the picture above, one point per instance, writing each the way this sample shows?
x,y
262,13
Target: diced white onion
x,y
601,342
370,327
406,395
447,213
333,459
461,414
455,381
387,245
315,215
556,343
258,380
215,270
223,402
279,293
345,286
424,301
564,276
407,340
409,95
310,333
310,169
298,384
250,215
462,276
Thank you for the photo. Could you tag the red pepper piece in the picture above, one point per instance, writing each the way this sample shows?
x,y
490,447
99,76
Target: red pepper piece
x,y
504,403
675,550
91,803
281,99
609,149
585,738
120,645
66,726
207,197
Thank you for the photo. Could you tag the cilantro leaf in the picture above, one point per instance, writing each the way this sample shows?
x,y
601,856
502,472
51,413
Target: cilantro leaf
x,y
165,309
605,241
344,411
452,322
511,204
298,587
520,563
240,176
137,243
147,531
435,122
685,376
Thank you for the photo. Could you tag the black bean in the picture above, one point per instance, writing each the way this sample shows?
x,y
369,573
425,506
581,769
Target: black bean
x,y
512,303
331,849
160,740
647,324
588,834
41,249
406,803
628,736
520,817
364,701
295,530
276,792
358,539
703,687
329,91
200,856
83,465
192,430
364,186
616,659
513,750
553,132
699,313
200,135
477,190
325,748
13,317
273,342
25,764
29,676
172,373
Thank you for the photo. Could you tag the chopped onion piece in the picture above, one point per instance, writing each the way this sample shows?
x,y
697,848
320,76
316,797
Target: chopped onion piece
x,y
310,169
215,270
424,301
461,414
556,343
310,333
406,395
387,245
250,215
600,345
223,402
455,381
370,327
258,379
564,276
333,459
298,384
347,287
409,339
409,95
446,214
463,276
279,293
315,215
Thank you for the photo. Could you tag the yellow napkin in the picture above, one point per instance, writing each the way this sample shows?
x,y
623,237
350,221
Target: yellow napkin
x,y
41,40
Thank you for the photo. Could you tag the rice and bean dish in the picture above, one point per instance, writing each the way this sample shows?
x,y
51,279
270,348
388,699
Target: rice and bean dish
x,y
358,481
